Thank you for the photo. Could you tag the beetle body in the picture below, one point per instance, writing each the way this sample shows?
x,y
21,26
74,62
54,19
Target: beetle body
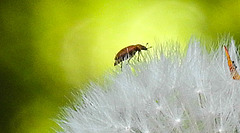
x,y
128,53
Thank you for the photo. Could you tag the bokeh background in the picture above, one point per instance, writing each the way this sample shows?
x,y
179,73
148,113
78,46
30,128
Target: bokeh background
x,y
50,48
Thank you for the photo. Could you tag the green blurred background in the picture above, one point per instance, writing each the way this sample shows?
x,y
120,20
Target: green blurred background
x,y
49,48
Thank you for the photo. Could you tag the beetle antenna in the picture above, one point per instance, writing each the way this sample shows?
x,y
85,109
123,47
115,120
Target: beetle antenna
x,y
148,47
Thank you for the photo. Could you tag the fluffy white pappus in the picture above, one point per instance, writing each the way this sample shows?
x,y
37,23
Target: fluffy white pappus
x,y
167,92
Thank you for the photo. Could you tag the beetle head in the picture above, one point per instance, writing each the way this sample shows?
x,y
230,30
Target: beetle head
x,y
141,47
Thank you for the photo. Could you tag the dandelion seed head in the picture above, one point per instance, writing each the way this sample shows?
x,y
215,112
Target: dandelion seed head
x,y
165,92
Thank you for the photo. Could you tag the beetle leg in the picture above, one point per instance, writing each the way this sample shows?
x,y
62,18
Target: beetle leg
x,y
139,53
130,56
127,54
129,59
121,65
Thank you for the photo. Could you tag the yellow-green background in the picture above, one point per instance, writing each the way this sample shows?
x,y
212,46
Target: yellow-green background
x,y
48,48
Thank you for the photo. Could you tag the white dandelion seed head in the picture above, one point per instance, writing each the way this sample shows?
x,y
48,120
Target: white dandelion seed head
x,y
165,92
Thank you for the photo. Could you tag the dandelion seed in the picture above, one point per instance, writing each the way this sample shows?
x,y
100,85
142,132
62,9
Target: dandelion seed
x,y
128,128
159,108
199,91
220,130
177,120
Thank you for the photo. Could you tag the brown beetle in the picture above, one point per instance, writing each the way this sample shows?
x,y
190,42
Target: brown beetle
x,y
128,53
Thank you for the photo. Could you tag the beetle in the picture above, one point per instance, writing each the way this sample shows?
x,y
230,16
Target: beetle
x,y
128,52
232,66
